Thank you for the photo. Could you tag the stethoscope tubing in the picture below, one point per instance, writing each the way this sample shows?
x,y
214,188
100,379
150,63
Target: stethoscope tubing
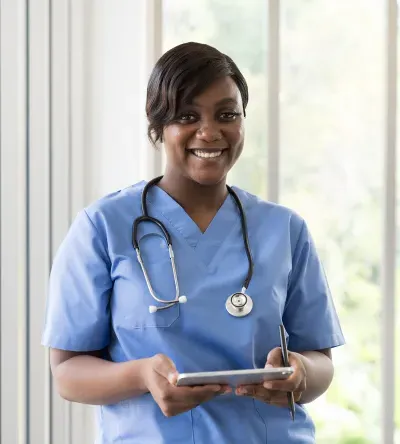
x,y
146,218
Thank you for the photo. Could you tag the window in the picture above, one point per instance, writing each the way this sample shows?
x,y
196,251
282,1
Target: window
x,y
331,151
332,147
233,27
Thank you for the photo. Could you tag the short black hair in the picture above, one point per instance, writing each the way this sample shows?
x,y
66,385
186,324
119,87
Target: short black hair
x,y
181,74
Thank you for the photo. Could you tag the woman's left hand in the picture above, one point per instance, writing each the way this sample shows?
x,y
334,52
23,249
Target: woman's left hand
x,y
275,392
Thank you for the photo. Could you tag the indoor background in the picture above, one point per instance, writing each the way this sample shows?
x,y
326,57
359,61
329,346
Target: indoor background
x,y
321,138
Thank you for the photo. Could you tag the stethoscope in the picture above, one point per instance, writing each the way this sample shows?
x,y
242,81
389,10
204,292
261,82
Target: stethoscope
x,y
238,304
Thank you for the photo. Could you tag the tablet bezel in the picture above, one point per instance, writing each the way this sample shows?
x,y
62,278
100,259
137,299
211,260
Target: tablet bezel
x,y
234,377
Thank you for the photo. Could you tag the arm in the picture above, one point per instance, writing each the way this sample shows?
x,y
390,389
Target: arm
x,y
313,373
89,379
319,373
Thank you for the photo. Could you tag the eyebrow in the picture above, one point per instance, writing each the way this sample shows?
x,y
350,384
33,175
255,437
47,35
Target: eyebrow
x,y
224,101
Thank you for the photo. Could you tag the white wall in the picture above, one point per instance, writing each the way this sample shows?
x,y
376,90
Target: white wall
x,y
115,85
13,213
73,78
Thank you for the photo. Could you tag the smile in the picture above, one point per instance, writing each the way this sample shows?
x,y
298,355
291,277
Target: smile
x,y
207,154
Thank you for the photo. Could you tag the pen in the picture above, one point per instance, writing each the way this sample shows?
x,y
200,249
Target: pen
x,y
285,357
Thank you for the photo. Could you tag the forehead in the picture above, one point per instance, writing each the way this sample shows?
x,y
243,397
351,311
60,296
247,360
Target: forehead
x,y
220,90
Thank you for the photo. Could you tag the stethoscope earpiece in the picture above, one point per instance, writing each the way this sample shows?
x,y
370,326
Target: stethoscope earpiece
x,y
181,300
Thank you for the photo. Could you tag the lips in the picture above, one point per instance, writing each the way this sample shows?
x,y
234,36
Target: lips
x,y
209,154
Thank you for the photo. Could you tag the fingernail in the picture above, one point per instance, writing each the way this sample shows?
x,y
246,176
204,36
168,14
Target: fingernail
x,y
268,366
267,385
227,391
242,391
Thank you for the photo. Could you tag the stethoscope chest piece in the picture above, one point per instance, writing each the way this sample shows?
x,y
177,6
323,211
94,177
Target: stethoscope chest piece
x,y
239,305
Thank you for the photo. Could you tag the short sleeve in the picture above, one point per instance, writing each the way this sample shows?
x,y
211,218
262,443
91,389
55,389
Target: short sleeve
x,y
77,312
310,317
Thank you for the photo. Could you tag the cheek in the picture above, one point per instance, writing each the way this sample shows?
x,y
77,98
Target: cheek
x,y
172,132
175,135
241,132
236,136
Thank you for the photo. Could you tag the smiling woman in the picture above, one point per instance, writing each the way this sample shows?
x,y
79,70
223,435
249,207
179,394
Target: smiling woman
x,y
108,347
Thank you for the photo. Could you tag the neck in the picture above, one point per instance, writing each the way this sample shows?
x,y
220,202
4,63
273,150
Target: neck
x,y
192,196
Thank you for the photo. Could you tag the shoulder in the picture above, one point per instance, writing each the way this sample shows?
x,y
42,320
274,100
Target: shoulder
x,y
275,217
116,207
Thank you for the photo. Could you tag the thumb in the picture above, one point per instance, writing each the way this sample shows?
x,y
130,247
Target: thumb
x,y
274,358
166,368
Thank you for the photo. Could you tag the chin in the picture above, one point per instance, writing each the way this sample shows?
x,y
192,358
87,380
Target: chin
x,y
207,179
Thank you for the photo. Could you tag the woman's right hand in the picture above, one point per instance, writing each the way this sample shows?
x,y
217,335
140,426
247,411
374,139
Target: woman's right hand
x,y
160,379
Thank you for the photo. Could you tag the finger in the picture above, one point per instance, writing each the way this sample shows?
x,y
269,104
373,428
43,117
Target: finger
x,y
278,398
211,388
279,401
166,368
299,372
255,390
225,389
281,398
207,391
294,382
274,358
193,395
190,395
297,396
261,394
196,396
177,400
287,385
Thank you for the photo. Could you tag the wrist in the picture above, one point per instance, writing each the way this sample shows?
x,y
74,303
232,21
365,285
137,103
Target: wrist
x,y
318,375
135,375
304,360
144,372
302,366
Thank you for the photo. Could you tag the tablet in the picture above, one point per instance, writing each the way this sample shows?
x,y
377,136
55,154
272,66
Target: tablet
x,y
235,377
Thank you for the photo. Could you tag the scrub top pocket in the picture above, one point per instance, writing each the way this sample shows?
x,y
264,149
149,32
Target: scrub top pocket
x,y
131,298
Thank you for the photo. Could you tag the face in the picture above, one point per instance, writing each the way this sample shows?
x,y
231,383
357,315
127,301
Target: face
x,y
206,138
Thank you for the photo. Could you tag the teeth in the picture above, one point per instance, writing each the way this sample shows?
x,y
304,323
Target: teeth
x,y
206,154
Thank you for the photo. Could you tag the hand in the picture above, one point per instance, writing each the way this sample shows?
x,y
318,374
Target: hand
x,y
160,379
275,392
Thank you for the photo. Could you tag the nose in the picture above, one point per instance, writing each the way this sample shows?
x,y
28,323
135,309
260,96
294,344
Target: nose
x,y
209,133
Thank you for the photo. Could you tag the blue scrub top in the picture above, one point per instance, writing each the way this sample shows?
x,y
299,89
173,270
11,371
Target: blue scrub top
x,y
98,298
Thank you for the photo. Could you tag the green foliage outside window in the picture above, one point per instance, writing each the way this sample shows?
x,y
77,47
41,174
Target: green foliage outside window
x,y
332,135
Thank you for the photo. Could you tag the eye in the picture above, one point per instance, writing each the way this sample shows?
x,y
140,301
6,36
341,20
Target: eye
x,y
229,116
187,118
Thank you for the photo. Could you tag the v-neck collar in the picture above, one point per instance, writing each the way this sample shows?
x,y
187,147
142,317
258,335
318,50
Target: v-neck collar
x,y
205,247
161,202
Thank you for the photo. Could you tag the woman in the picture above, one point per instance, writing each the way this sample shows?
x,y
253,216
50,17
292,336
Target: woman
x,y
109,349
